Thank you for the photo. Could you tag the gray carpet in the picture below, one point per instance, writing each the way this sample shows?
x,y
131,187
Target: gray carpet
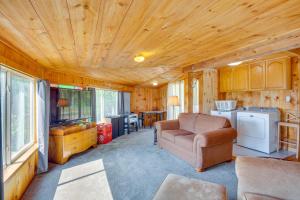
x,y
130,167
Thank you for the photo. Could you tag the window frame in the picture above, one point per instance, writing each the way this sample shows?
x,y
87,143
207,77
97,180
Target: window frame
x,y
9,158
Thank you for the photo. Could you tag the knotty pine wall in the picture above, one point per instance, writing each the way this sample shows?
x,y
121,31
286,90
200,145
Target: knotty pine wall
x,y
148,99
20,62
208,90
71,79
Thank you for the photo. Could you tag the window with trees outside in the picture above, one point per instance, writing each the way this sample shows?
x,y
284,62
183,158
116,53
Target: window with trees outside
x,y
106,104
17,93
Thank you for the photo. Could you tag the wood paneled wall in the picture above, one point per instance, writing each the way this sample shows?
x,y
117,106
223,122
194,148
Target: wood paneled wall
x,y
144,99
208,90
72,79
188,92
20,62
22,172
148,99
163,97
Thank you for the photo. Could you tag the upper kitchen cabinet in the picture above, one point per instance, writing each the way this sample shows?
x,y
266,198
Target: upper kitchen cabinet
x,y
269,74
240,78
225,79
257,76
278,73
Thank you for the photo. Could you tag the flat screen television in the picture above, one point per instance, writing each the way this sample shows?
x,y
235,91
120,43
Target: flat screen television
x,y
69,105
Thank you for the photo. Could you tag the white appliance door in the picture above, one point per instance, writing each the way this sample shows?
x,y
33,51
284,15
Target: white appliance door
x,y
252,126
252,133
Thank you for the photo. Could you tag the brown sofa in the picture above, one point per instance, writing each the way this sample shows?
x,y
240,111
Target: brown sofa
x,y
267,179
201,140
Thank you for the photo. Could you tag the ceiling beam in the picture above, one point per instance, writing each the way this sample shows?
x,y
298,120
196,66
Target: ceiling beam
x,y
272,45
295,51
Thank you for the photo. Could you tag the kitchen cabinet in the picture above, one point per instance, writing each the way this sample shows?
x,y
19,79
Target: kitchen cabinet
x,y
257,79
240,76
225,79
278,73
271,74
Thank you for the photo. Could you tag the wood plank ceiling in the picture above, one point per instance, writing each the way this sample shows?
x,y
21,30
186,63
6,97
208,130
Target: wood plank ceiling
x,y
99,38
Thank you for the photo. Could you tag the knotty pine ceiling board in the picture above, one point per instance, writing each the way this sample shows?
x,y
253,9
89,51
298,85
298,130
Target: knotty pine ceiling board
x,y
99,38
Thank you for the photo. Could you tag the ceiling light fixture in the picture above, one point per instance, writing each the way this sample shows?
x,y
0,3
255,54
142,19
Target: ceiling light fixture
x,y
139,59
154,83
235,63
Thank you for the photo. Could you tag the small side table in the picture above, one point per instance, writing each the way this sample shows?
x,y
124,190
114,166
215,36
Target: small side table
x,y
296,143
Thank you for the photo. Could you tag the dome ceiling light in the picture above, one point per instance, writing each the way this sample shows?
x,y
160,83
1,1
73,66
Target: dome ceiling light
x,y
154,83
139,59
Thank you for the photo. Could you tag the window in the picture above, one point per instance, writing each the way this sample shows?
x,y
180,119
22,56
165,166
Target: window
x,y
106,104
195,96
176,89
16,113
80,104
85,104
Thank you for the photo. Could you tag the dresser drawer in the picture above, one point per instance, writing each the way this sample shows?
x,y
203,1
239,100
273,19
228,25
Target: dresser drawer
x,y
70,149
72,138
91,140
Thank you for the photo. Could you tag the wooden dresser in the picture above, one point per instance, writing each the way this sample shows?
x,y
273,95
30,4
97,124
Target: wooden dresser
x,y
67,141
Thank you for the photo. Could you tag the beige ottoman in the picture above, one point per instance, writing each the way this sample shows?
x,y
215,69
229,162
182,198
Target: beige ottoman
x,y
179,187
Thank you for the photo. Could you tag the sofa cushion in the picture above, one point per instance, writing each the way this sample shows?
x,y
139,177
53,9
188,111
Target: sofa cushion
x,y
171,134
187,121
185,141
204,123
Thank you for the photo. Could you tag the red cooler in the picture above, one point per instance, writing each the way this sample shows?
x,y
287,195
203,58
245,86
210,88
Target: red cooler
x,y
104,131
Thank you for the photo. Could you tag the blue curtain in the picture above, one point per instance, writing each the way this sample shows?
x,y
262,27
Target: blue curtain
x,y
123,102
43,121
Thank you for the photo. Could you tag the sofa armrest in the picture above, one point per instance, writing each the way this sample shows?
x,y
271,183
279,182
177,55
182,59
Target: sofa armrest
x,y
275,178
215,137
167,125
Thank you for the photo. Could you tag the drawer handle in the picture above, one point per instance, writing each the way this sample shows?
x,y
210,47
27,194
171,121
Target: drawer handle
x,y
251,116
